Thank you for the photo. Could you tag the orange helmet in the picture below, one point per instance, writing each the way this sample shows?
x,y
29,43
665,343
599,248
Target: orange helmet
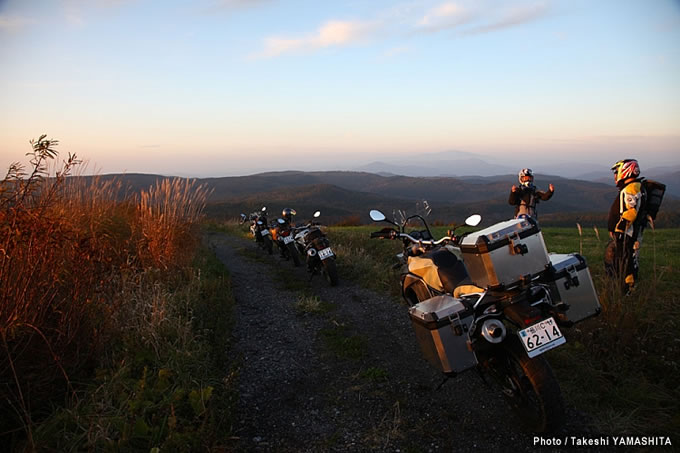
x,y
625,169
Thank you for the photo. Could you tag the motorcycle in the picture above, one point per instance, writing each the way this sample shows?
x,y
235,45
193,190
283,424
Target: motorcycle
x,y
260,230
313,243
282,234
492,305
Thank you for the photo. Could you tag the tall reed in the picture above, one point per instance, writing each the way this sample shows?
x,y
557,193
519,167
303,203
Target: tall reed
x,y
68,247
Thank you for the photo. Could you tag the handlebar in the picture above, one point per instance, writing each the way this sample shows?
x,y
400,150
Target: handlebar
x,y
391,234
424,242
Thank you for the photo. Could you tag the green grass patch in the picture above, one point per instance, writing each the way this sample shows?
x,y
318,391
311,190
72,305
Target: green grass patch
x,y
374,374
343,344
232,228
312,304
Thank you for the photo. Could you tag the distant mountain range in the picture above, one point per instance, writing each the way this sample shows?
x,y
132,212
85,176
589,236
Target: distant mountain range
x,y
464,164
343,195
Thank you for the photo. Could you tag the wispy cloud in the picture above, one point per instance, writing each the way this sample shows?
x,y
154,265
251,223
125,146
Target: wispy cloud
x,y
13,23
332,33
445,16
512,17
465,18
473,19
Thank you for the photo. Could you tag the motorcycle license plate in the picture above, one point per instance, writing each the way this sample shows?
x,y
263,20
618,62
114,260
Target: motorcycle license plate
x,y
541,337
288,239
264,232
325,253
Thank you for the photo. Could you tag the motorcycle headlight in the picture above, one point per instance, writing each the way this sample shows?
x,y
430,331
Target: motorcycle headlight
x,y
493,331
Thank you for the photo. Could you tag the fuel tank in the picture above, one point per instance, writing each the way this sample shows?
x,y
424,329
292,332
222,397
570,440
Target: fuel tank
x,y
441,269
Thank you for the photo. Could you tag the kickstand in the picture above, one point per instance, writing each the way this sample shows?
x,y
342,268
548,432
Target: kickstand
x,y
446,379
481,375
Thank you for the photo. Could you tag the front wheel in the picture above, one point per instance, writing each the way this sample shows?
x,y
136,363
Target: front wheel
x,y
330,271
529,385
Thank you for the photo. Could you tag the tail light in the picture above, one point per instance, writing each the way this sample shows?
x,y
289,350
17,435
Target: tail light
x,y
532,320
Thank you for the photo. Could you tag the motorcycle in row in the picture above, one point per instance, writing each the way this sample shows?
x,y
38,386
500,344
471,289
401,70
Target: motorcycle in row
x,y
494,300
313,244
283,234
260,229
296,242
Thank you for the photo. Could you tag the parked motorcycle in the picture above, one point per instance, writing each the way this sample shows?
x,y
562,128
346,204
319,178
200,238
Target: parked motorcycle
x,y
496,304
313,244
283,236
260,230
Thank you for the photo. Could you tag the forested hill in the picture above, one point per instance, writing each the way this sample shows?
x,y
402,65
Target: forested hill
x,y
348,196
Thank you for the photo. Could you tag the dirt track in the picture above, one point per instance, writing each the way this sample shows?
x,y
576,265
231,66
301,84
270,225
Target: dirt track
x,y
348,379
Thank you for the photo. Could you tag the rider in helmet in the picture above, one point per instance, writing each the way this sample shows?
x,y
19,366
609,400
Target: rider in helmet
x,y
526,196
624,224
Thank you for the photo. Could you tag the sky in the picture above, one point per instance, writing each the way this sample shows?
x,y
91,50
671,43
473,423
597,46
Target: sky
x,y
227,87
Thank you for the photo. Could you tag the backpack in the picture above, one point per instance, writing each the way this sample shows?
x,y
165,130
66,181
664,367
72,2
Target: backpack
x,y
654,192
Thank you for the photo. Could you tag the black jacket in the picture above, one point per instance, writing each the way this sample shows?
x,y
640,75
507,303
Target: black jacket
x,y
525,199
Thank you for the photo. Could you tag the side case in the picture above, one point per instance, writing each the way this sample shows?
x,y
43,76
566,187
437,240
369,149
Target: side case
x,y
571,283
441,325
505,253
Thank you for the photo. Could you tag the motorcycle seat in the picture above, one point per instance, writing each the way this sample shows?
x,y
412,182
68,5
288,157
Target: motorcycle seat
x,y
464,290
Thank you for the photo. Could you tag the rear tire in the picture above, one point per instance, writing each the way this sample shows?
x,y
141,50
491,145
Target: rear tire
x,y
292,251
330,271
529,386
268,244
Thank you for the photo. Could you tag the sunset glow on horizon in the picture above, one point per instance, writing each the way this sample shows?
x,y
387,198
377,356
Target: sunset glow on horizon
x,y
224,87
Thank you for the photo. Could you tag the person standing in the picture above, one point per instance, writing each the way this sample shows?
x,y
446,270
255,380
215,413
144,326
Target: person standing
x,y
626,223
526,196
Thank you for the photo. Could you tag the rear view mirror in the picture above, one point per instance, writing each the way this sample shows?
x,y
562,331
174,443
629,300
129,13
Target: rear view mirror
x,y
281,221
317,214
376,215
473,220
264,208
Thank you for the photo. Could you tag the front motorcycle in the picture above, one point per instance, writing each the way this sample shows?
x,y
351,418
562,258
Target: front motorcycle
x,y
512,310
313,244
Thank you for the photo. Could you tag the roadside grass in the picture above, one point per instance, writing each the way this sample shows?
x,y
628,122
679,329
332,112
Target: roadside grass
x,y
368,262
622,367
113,330
168,383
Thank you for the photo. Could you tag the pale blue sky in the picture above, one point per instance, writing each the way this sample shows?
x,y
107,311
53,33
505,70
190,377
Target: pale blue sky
x,y
219,87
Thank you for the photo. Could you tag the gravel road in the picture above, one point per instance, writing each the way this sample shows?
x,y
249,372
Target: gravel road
x,y
350,378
